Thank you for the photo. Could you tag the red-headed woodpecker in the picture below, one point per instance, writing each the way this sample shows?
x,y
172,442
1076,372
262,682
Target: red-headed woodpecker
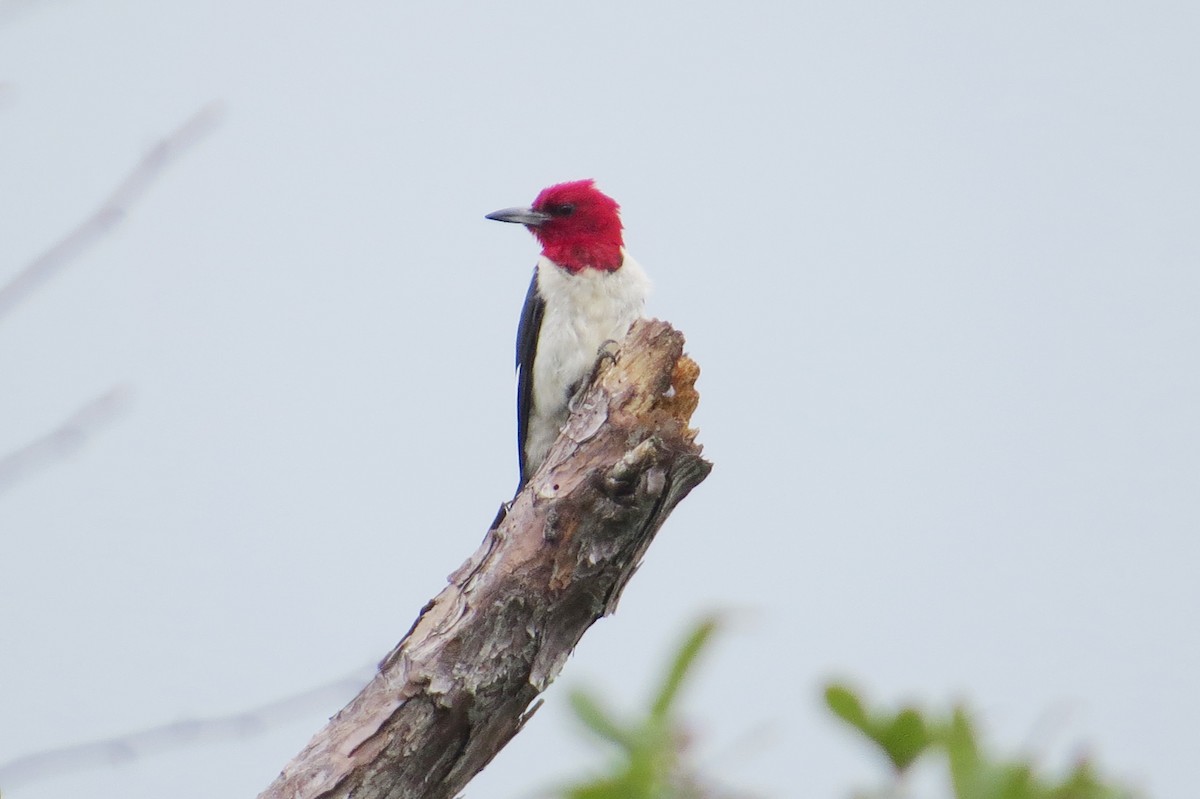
x,y
585,292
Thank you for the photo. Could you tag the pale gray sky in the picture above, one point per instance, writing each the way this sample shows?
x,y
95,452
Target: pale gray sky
x,y
940,266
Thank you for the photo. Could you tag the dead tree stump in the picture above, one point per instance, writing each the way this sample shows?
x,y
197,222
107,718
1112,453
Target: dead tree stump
x,y
461,683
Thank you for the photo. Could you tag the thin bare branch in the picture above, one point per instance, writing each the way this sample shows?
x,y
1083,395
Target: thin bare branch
x,y
111,211
39,766
63,440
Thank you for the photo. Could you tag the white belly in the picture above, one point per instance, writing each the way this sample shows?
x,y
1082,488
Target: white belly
x,y
582,312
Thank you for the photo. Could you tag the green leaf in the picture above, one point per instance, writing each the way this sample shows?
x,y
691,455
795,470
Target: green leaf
x,y
904,737
1010,781
589,710
600,789
963,751
975,773
650,762
682,663
1084,783
846,705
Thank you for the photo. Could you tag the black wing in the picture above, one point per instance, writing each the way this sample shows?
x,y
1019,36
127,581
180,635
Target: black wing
x,y
527,339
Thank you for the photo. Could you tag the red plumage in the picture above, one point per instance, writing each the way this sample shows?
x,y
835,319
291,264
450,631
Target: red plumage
x,y
584,231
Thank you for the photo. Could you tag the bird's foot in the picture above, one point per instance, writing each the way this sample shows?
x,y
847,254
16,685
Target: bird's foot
x,y
606,352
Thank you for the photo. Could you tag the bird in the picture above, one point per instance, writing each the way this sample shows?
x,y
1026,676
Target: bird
x,y
586,291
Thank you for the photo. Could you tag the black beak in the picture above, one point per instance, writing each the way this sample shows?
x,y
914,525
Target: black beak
x,y
522,216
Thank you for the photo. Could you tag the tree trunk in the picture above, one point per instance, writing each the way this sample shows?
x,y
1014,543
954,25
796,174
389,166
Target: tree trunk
x,y
459,685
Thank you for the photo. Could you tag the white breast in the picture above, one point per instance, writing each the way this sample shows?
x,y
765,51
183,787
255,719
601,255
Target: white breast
x,y
582,312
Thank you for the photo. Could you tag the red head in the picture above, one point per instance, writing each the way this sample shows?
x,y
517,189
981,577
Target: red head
x,y
578,226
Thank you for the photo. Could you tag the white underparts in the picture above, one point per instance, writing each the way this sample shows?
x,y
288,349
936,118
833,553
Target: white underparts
x,y
583,310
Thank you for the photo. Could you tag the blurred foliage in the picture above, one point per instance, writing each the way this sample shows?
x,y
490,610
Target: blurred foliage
x,y
902,736
650,761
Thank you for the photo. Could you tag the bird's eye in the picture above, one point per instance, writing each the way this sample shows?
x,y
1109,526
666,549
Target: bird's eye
x,y
562,209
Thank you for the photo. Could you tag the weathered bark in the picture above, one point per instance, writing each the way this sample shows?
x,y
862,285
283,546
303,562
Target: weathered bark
x,y
459,685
